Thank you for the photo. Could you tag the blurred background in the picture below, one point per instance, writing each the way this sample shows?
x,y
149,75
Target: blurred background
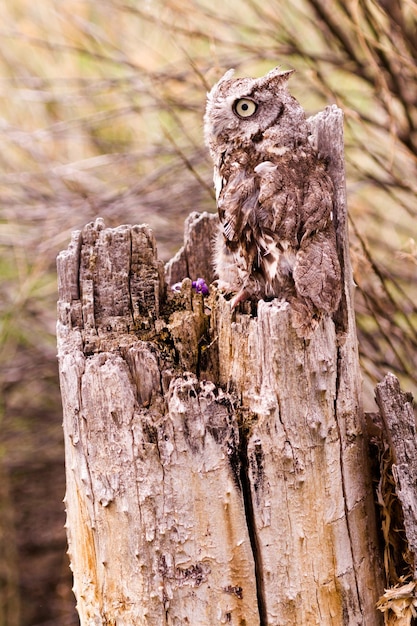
x,y
101,107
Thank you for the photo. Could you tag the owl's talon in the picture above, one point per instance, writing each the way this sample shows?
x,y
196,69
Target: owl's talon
x,y
241,296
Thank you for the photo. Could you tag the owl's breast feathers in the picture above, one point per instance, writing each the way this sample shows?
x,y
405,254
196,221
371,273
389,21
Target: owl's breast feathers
x,y
286,196
276,216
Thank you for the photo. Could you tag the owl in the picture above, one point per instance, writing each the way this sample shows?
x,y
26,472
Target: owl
x,y
274,198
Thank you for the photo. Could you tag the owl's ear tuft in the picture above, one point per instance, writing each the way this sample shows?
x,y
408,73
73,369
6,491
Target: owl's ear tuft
x,y
227,76
276,77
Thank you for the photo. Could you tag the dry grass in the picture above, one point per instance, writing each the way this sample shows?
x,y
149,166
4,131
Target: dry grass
x,y
101,109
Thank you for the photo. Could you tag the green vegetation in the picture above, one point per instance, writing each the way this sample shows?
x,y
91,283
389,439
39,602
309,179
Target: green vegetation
x,y
101,107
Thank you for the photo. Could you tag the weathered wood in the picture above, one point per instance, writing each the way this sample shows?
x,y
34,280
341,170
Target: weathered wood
x,y
327,131
396,409
216,463
199,232
155,513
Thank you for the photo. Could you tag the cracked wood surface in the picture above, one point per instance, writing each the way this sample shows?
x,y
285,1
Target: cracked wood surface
x,y
217,468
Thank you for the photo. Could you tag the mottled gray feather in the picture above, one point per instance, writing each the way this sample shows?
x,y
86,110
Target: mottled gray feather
x,y
274,198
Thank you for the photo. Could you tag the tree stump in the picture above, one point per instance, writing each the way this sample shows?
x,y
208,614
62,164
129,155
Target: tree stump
x,y
217,467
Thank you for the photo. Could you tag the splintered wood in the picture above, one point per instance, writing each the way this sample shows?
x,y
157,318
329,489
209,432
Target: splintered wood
x,y
216,462
396,408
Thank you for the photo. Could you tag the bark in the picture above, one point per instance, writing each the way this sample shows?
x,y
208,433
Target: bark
x,y
217,468
399,422
394,436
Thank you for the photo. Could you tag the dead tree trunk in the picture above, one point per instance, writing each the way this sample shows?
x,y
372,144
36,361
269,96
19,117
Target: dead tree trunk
x,y
216,463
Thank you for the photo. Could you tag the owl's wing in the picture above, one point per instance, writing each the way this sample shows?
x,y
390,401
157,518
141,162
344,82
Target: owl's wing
x,y
316,273
317,202
237,204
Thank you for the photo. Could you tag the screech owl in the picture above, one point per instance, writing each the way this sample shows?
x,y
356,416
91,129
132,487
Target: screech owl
x,y
274,199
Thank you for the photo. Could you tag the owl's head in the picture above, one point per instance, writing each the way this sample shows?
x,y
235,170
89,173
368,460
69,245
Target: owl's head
x,y
245,111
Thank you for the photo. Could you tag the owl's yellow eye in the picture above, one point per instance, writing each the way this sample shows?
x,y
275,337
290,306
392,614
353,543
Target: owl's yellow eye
x,y
245,107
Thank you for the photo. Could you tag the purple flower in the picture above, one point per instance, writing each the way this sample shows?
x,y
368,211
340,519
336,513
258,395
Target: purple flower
x,y
200,286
